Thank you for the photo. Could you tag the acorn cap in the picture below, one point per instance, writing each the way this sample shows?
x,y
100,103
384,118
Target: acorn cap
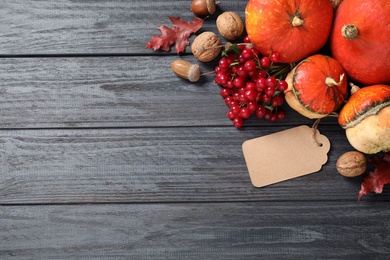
x,y
211,6
364,102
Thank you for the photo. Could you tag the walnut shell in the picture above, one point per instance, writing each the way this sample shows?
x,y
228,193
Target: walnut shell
x,y
206,46
351,164
230,25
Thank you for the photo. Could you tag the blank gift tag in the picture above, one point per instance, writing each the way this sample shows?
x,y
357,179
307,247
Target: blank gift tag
x,y
285,155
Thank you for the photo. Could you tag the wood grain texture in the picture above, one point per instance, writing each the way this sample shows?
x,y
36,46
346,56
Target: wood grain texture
x,y
153,165
197,231
105,154
110,92
92,27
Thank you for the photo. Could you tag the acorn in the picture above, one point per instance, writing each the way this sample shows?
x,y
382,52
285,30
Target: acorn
x,y
186,70
203,7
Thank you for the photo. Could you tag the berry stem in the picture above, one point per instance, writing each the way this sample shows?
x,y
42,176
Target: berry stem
x,y
207,73
280,71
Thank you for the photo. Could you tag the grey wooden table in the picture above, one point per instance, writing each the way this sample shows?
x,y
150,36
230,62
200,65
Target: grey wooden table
x,y
105,154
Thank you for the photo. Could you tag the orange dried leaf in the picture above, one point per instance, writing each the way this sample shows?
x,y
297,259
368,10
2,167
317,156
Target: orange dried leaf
x,y
375,180
177,35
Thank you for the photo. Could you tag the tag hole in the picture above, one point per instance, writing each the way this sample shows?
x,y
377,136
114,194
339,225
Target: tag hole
x,y
320,144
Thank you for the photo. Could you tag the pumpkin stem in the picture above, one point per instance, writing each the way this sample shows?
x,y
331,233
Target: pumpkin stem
x,y
354,88
330,82
350,31
296,21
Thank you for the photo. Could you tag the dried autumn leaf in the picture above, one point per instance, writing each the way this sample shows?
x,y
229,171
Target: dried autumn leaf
x,y
177,35
375,180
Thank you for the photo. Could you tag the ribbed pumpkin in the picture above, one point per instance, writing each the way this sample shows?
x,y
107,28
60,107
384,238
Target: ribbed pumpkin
x,y
294,29
366,118
360,40
317,86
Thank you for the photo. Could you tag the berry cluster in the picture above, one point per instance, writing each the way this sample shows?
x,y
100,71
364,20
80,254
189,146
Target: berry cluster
x,y
250,83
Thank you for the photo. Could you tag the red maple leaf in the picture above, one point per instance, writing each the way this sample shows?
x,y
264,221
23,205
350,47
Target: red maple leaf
x,y
178,34
375,180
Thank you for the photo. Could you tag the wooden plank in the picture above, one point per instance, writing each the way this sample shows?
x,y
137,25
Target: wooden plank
x,y
153,165
110,92
105,154
308,230
92,27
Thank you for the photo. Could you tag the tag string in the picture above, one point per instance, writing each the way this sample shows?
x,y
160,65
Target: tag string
x,y
314,133
315,126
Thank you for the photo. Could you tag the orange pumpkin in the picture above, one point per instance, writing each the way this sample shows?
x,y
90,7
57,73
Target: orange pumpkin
x,y
360,40
294,29
317,86
366,118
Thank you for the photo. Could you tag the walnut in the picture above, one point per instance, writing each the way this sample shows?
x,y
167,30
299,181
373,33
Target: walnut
x,y
206,46
351,164
230,25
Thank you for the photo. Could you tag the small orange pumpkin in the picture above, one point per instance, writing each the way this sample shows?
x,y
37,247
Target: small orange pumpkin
x,y
366,118
360,40
294,29
317,86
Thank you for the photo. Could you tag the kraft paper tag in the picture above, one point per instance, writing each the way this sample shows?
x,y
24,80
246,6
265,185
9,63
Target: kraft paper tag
x,y
285,155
